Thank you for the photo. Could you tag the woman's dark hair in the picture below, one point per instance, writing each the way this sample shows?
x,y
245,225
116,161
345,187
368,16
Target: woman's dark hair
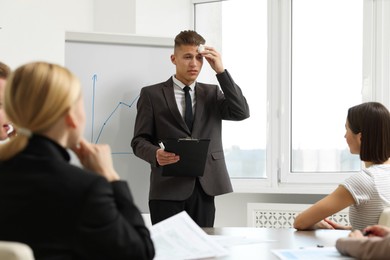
x,y
372,120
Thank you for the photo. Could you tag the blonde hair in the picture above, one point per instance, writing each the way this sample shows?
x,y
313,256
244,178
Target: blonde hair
x,y
37,95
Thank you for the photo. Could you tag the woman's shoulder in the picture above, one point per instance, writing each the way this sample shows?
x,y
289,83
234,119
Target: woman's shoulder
x,y
362,175
377,171
72,176
378,168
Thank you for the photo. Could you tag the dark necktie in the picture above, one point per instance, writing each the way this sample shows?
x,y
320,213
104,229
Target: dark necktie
x,y
188,111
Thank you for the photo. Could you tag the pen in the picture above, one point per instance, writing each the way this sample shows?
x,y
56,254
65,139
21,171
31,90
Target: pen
x,y
161,145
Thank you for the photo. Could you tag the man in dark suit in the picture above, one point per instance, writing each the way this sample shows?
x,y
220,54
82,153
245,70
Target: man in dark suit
x,y
161,114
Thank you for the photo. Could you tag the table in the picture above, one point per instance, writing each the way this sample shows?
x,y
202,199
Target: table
x,y
274,239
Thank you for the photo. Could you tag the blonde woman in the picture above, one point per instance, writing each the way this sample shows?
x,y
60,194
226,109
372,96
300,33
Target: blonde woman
x,y
60,210
367,193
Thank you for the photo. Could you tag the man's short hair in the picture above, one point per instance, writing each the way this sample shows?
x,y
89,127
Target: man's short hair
x,y
189,38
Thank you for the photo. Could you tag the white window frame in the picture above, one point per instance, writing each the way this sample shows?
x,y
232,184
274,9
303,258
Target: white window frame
x,y
285,166
375,64
375,87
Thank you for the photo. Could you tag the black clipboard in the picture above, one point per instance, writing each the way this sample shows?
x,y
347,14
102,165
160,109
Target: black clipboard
x,y
193,155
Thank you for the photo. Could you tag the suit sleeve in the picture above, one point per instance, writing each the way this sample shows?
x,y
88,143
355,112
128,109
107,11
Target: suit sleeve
x,y
368,248
111,225
142,142
233,103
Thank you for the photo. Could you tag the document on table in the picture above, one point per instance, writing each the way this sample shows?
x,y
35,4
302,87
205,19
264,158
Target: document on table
x,y
179,237
310,253
229,241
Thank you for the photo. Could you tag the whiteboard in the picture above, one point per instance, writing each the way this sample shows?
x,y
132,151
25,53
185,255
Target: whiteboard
x,y
112,70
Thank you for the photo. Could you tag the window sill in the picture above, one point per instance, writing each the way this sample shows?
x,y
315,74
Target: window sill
x,y
266,186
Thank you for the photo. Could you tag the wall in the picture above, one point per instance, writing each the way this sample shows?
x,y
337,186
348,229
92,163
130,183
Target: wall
x,y
164,18
35,30
117,16
231,208
32,30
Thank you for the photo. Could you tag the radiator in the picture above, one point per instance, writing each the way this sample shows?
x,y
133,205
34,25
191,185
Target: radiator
x,y
278,215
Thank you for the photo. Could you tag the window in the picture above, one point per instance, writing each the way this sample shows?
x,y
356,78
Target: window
x,y
322,57
238,29
326,79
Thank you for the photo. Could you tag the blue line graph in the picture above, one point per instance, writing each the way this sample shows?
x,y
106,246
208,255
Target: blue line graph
x,y
94,79
130,105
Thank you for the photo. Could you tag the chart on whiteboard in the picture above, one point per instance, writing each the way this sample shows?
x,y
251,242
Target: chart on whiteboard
x,y
103,126
111,77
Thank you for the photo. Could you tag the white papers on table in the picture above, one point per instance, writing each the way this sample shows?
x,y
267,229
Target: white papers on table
x,y
310,253
179,237
229,241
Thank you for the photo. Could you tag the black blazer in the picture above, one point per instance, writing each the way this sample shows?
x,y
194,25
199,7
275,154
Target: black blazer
x,y
64,212
158,118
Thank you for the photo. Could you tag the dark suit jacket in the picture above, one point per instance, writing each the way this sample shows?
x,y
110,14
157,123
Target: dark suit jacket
x,y
158,118
65,212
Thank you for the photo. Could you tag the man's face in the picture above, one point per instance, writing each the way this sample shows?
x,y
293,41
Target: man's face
x,y
188,63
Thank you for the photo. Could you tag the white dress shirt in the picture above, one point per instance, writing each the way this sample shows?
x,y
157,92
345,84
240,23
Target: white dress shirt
x,y
179,95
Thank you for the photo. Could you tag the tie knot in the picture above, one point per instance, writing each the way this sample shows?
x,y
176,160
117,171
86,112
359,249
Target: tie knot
x,y
186,89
